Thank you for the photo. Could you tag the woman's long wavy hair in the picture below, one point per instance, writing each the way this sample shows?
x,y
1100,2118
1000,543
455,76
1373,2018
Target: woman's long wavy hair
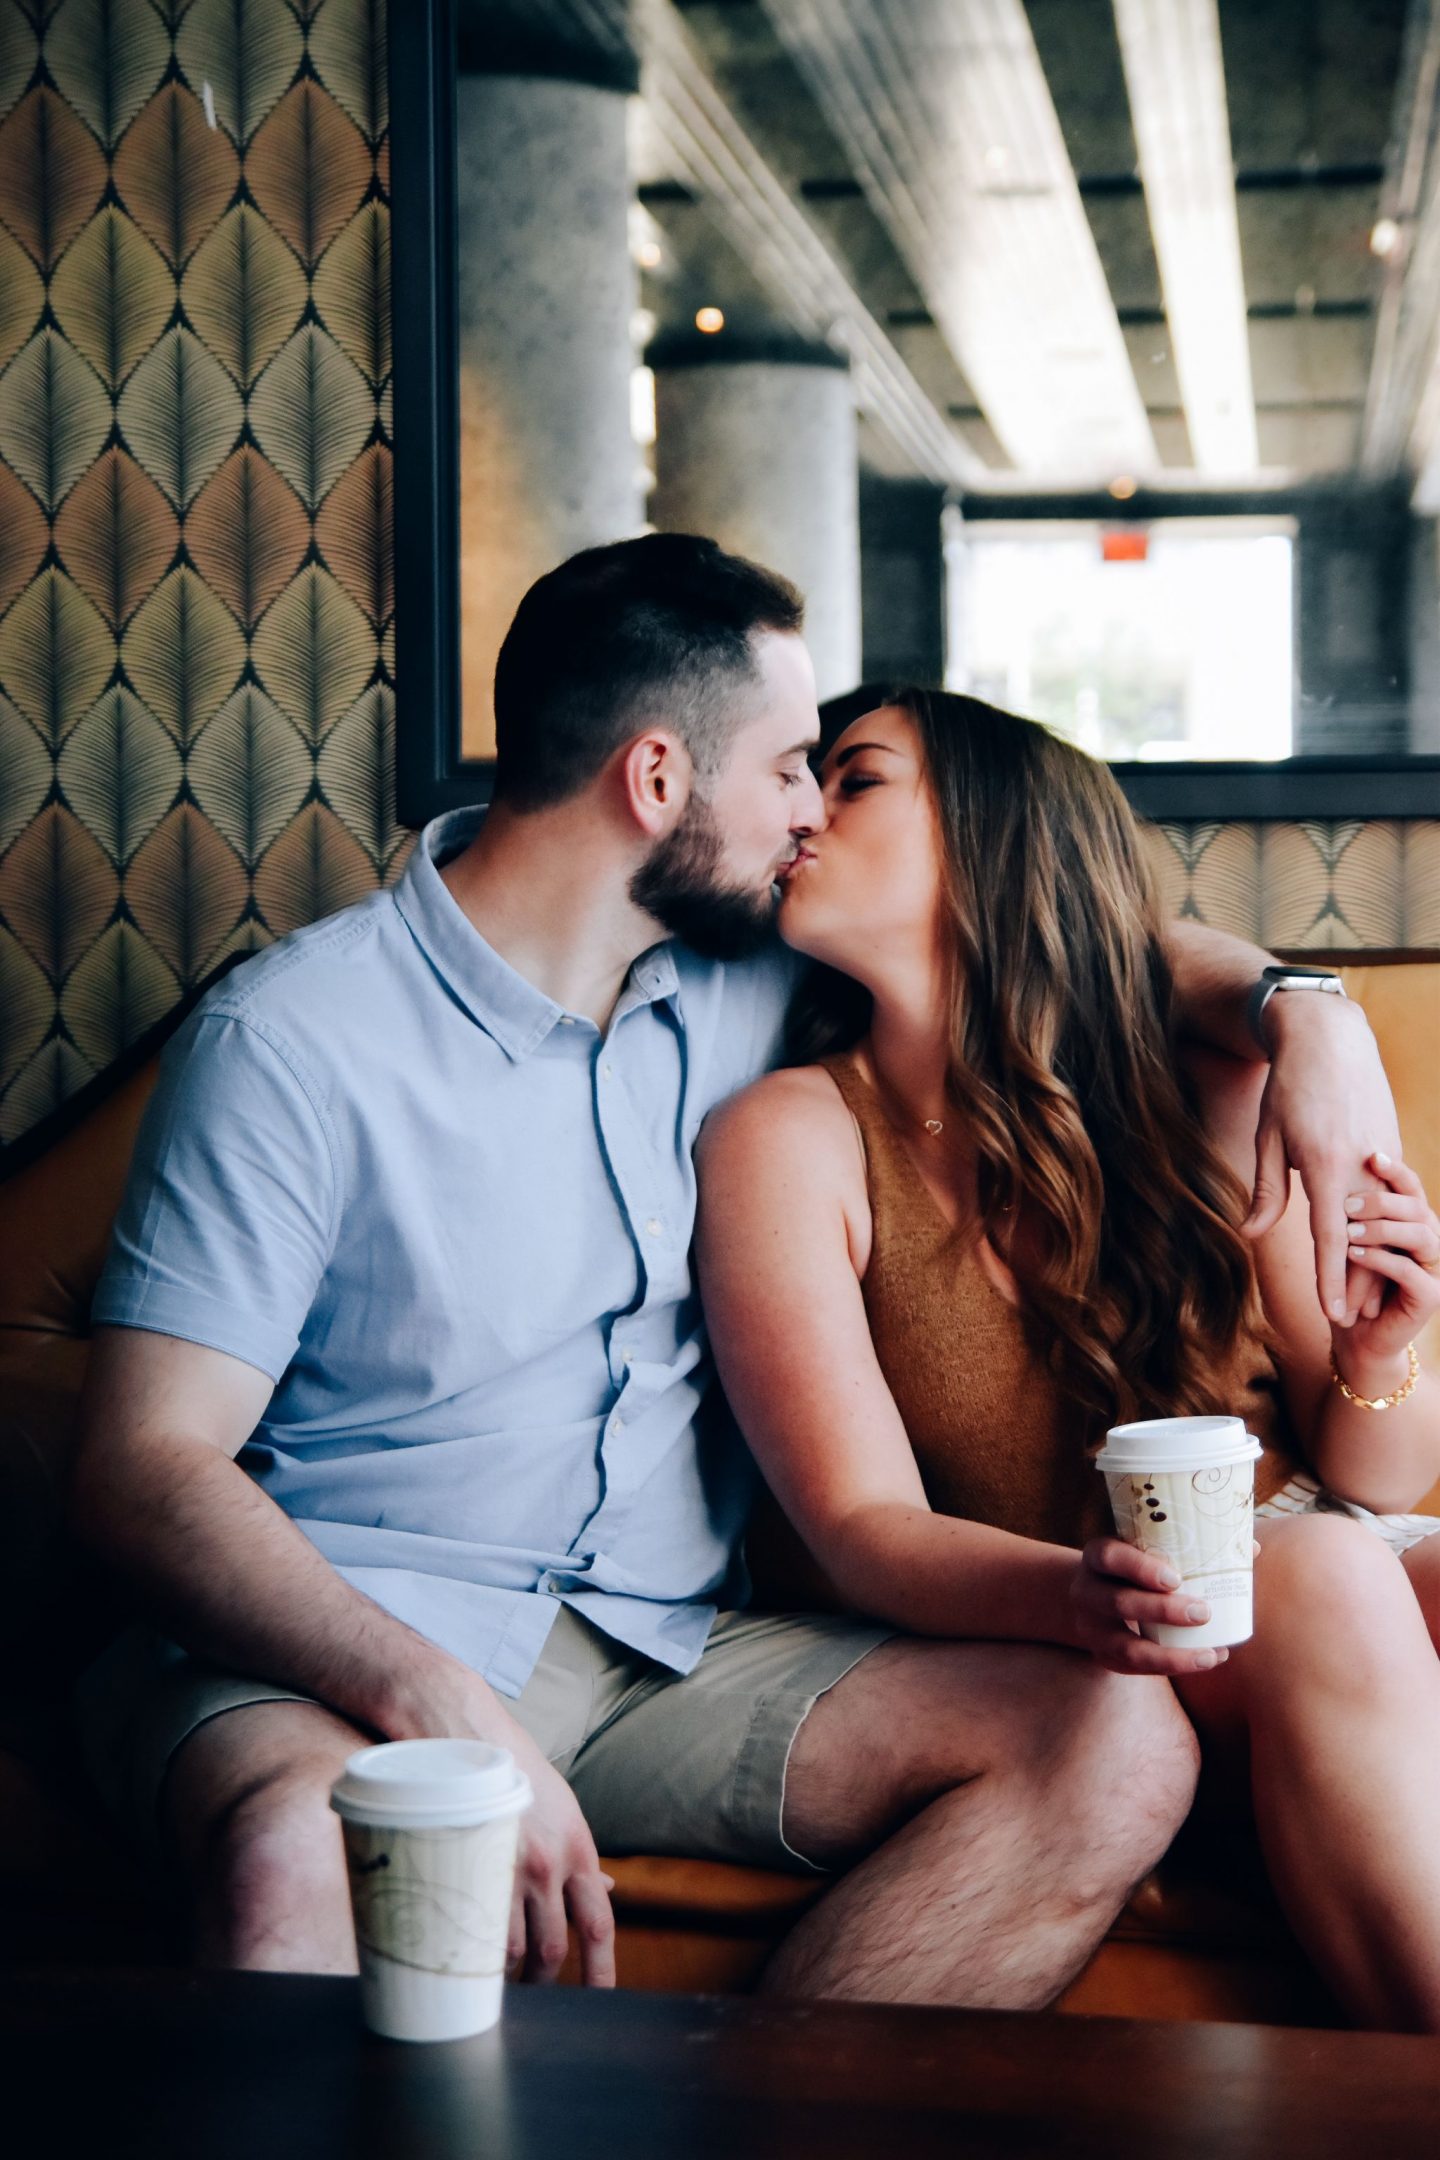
x,y
1063,1066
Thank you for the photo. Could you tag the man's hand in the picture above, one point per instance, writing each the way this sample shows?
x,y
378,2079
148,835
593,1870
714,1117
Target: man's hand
x,y
1326,1109
1115,1586
557,1870
557,1873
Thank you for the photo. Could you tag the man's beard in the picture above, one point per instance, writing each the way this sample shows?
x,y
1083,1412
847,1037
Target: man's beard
x,y
678,883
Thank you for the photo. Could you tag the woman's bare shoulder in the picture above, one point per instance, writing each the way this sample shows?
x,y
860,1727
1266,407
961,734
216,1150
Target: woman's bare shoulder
x,y
800,1103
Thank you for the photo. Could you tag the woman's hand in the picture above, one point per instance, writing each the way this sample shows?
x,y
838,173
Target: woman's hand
x,y
1326,1103
1115,1586
1394,1232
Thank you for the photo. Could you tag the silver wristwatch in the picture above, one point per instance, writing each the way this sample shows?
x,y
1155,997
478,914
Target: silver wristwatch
x,y
1287,978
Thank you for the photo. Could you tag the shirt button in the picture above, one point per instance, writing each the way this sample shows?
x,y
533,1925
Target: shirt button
x,y
566,1020
655,1226
617,1424
629,1353
608,1071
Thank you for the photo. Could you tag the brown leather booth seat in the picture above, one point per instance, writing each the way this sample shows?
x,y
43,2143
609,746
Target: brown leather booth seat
x,y
1200,1938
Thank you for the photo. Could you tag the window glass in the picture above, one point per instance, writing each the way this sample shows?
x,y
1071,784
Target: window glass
x,y
1172,641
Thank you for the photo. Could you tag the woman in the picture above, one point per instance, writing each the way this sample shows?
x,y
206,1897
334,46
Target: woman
x,y
988,1216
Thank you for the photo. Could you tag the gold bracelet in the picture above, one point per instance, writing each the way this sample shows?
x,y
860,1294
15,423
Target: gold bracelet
x,y
1378,1402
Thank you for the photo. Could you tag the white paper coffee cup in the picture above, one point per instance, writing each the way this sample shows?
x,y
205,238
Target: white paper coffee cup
x,y
431,1828
1184,1488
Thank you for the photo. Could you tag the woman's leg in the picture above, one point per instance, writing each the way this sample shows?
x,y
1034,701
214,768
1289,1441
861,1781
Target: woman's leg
x,y
1338,1694
1422,1565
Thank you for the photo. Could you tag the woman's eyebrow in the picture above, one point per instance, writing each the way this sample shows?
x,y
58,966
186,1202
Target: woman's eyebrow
x,y
856,747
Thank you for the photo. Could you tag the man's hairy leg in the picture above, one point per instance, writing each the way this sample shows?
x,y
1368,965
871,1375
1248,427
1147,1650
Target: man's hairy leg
x,y
245,1808
1008,1797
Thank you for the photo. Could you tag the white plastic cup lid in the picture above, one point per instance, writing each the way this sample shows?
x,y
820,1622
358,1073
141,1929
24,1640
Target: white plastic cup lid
x,y
430,1783
1178,1443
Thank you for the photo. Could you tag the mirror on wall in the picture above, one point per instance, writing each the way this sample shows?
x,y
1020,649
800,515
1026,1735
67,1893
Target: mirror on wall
x,y
1081,353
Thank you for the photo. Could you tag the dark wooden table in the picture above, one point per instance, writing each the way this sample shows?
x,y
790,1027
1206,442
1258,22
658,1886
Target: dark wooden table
x,y
209,2066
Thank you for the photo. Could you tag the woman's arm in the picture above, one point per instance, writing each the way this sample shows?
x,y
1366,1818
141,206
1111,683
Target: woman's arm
x,y
1387,1460
782,1240
1325,1107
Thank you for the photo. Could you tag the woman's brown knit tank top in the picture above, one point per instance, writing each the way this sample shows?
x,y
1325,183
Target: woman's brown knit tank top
x,y
994,1437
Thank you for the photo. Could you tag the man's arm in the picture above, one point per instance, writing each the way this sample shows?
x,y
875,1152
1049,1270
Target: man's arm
x,y
1326,1108
156,1489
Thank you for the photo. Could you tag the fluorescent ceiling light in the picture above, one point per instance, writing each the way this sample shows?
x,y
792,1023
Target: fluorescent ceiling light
x,y
1176,79
1401,404
766,225
943,109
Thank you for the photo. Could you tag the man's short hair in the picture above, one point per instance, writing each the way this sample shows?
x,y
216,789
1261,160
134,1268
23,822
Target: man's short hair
x,y
656,630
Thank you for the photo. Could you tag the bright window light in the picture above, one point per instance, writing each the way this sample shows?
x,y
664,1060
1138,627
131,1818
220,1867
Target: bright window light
x,y
1187,653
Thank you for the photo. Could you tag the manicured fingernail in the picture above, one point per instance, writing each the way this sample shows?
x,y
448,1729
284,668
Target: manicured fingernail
x,y
1355,1205
1357,1252
1169,1580
1197,1612
1204,1659
1221,1656
1382,1160
1337,1308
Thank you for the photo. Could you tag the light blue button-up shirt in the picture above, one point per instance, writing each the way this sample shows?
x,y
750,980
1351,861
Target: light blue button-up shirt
x,y
452,1223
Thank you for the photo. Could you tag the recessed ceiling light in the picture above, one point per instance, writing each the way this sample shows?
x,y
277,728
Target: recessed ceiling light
x,y
710,319
649,255
1384,237
1123,486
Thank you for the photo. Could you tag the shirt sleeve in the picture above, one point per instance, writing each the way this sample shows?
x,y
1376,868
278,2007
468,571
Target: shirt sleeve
x,y
232,1200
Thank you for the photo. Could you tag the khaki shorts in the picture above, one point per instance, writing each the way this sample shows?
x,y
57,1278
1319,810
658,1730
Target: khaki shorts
x,y
692,1766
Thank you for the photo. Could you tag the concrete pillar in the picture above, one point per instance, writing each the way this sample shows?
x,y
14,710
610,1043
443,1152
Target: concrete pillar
x,y
546,292
902,580
760,454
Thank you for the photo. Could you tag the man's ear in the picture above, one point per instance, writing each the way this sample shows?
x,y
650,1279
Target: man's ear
x,y
656,776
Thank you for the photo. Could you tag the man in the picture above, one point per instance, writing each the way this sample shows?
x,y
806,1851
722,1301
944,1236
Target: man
x,y
396,1413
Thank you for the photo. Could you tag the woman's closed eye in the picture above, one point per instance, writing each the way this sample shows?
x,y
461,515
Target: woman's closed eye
x,y
855,783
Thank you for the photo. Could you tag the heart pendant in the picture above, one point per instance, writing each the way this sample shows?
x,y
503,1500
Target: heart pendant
x,y
934,1125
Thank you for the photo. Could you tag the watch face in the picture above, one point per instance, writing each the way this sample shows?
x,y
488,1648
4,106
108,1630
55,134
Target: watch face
x,y
1301,978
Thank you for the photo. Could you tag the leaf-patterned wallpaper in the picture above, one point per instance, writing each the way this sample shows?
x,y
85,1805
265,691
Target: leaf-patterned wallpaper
x,y
1330,885
196,659
196,637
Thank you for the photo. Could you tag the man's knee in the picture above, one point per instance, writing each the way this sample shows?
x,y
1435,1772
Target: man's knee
x,y
1131,1750
278,1832
259,1845
1106,1776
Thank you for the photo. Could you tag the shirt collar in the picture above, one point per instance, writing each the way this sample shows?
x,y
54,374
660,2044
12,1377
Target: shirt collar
x,y
509,1008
